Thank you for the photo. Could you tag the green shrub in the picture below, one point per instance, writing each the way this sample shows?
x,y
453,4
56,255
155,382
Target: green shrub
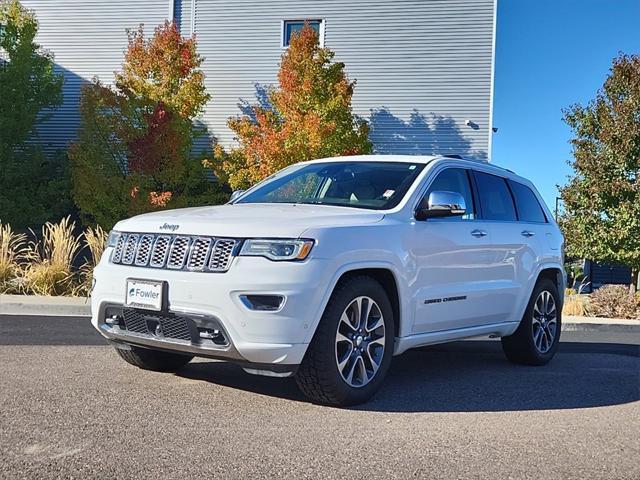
x,y
34,188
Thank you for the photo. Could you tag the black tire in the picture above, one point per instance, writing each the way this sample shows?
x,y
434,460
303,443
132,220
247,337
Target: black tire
x,y
520,347
155,360
318,376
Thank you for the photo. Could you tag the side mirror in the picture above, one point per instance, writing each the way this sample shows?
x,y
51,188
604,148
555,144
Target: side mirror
x,y
235,195
441,204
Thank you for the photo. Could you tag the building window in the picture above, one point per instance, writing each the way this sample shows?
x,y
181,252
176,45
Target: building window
x,y
289,27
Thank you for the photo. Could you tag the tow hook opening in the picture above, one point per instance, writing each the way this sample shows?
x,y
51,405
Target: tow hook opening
x,y
113,320
213,334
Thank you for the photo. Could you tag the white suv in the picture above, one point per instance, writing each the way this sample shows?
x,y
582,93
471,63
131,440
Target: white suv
x,y
329,268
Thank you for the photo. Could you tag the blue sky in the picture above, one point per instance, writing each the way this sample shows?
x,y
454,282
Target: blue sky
x,y
549,55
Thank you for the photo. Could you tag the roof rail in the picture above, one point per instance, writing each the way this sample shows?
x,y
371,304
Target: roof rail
x,y
460,157
477,160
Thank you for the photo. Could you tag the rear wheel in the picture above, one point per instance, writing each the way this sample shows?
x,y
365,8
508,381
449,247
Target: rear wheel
x,y
351,350
536,340
155,360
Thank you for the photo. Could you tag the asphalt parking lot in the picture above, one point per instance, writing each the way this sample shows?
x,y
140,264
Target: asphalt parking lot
x,y
70,408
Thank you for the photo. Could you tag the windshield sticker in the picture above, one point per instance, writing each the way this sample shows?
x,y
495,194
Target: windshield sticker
x,y
387,194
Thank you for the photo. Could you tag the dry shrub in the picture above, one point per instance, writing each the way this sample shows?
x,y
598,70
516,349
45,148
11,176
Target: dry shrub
x,y
12,251
95,240
614,301
576,305
49,268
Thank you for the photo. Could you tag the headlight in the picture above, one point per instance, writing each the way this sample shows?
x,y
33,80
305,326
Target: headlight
x,y
289,249
113,238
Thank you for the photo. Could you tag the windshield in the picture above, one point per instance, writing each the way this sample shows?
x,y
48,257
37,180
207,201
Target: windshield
x,y
373,185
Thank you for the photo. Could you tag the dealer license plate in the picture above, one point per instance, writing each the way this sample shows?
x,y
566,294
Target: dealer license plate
x,y
145,294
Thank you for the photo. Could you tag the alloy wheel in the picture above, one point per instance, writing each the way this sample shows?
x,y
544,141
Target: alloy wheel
x,y
360,341
544,323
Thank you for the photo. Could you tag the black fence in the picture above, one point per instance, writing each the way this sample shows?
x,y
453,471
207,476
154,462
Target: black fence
x,y
600,274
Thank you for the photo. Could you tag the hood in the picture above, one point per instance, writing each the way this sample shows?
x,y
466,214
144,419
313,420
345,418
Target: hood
x,y
245,220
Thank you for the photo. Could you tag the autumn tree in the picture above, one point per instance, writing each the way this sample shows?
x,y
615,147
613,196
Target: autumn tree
x,y
31,182
133,152
309,116
601,218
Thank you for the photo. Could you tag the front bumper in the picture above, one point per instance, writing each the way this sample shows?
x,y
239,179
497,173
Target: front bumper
x,y
122,337
274,340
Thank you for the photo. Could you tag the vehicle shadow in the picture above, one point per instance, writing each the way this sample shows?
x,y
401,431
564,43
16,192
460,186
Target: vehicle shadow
x,y
474,376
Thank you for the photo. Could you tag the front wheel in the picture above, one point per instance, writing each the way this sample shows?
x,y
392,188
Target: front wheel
x,y
536,340
351,350
155,360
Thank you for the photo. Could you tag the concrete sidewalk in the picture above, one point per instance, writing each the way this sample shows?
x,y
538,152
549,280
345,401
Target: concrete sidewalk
x,y
81,307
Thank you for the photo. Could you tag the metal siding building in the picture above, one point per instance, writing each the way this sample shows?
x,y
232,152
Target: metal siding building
x,y
87,38
424,68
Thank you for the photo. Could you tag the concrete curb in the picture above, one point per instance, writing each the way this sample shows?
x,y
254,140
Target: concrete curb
x,y
44,306
572,323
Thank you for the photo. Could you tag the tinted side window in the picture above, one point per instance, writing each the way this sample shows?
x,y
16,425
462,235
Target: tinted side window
x,y
495,199
529,209
455,180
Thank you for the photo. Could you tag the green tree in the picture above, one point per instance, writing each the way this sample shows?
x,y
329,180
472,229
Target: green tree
x,y
309,117
33,187
133,153
601,218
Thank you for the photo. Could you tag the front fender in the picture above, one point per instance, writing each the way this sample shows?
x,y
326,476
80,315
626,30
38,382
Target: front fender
x,y
346,268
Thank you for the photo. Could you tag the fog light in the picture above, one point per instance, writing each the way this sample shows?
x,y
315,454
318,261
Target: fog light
x,y
263,303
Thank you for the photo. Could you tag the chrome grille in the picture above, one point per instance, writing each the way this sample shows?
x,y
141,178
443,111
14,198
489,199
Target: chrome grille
x,y
130,249
175,252
160,251
178,253
221,255
198,255
118,249
144,250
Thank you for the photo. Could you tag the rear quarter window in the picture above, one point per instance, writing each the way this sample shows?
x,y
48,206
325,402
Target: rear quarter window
x,y
496,201
529,208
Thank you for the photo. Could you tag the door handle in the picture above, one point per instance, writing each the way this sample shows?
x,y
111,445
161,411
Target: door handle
x,y
478,233
528,233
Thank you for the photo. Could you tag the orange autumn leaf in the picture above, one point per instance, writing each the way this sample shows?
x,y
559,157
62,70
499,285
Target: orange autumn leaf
x,y
310,118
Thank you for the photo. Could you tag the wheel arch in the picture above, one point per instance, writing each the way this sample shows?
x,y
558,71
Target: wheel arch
x,y
386,278
554,273
383,273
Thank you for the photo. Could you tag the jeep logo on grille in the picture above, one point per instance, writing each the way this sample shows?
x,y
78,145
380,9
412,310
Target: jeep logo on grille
x,y
169,226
